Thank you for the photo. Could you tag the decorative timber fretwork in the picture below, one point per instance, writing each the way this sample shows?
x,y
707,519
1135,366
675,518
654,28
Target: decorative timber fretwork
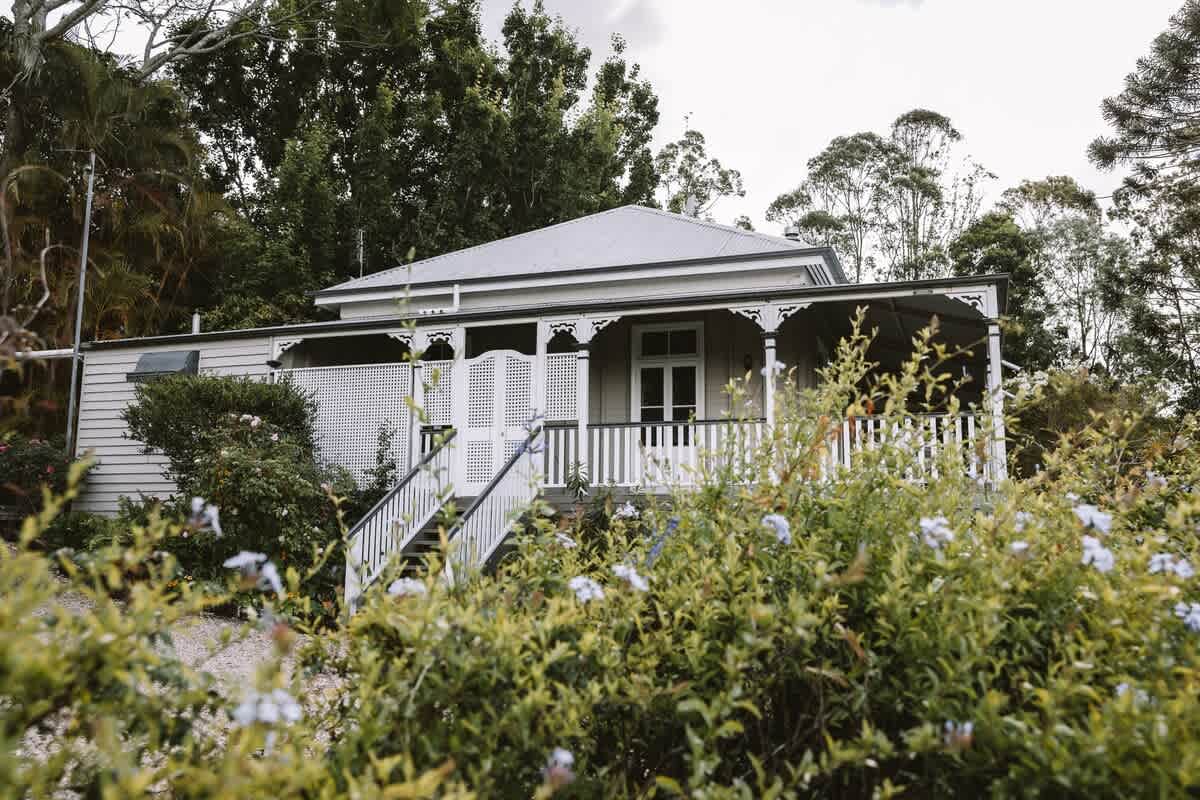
x,y
281,346
982,301
404,337
769,316
581,328
454,337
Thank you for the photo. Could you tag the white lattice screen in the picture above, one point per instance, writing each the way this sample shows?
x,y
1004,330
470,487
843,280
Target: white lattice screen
x,y
352,404
439,408
480,461
561,392
481,394
518,391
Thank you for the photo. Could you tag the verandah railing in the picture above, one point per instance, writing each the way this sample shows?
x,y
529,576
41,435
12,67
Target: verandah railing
x,y
489,519
397,518
652,454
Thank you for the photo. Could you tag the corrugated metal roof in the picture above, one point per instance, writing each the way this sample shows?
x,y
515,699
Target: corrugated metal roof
x,y
625,236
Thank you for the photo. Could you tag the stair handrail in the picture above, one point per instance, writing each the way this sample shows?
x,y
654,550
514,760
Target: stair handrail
x,y
488,507
358,560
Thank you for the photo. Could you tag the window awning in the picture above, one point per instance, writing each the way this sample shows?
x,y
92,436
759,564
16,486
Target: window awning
x,y
173,362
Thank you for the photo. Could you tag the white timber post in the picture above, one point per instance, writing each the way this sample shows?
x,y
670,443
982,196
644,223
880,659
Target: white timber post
x,y
582,373
768,317
540,377
996,391
769,359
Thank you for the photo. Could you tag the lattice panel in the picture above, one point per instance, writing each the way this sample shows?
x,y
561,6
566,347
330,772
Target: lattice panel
x,y
561,388
481,394
518,389
479,462
439,398
510,447
352,404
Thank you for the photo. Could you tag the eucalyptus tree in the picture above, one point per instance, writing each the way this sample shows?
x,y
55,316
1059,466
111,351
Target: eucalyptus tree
x,y
837,203
691,180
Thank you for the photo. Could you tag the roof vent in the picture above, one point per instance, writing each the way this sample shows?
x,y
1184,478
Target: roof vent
x,y
792,232
173,362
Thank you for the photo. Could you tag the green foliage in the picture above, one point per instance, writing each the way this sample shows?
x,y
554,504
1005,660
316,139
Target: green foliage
x,y
1058,406
846,658
693,181
185,417
27,467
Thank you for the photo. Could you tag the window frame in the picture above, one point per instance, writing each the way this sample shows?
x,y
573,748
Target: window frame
x,y
637,361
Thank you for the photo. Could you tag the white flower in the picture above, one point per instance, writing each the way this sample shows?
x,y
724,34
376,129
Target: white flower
x,y
565,541
1190,614
255,422
1155,481
958,736
1022,520
779,526
626,511
1140,696
246,417
1019,548
205,516
1092,517
269,709
775,368
1097,555
935,531
406,587
630,576
245,560
268,577
274,437
585,589
1183,569
557,772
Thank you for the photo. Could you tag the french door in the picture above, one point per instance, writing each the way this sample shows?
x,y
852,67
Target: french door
x,y
668,382
492,423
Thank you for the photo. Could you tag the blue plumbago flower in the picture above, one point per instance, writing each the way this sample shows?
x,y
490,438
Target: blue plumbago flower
x,y
1190,614
936,531
1092,517
268,578
245,560
565,541
958,735
557,772
248,563
407,587
1169,565
585,589
661,541
1140,696
779,525
775,368
1019,549
534,422
1022,520
1155,481
269,708
205,516
626,511
630,576
1097,555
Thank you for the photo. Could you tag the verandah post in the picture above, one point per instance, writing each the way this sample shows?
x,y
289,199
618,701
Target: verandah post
x,y
583,368
770,359
999,450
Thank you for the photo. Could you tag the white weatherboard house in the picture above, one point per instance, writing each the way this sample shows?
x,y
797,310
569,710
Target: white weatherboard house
x,y
622,328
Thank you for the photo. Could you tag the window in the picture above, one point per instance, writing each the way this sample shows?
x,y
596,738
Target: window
x,y
668,375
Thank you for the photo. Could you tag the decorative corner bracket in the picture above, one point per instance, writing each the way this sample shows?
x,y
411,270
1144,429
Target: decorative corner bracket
x,y
769,316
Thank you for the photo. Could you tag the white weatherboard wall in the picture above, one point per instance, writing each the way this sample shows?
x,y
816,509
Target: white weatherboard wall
x,y
121,468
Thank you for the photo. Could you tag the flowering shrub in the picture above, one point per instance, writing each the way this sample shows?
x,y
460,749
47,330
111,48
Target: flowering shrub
x,y
180,415
26,466
785,629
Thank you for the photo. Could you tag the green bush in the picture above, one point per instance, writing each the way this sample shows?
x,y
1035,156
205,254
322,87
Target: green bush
x,y
26,466
783,630
179,415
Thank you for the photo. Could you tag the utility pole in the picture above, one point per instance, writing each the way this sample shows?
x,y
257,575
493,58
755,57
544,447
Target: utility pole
x,y
83,256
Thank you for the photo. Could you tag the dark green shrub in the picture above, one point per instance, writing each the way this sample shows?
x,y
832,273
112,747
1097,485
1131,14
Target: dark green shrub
x,y
26,466
80,530
179,415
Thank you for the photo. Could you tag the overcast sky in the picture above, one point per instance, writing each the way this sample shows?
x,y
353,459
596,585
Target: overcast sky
x,y
770,82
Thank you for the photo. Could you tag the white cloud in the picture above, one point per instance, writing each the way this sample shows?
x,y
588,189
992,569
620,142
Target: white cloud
x,y
770,82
